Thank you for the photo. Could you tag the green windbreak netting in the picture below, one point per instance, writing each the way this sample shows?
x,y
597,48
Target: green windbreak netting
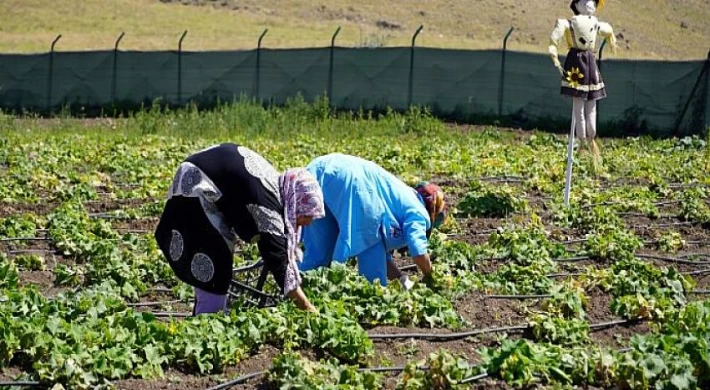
x,y
648,95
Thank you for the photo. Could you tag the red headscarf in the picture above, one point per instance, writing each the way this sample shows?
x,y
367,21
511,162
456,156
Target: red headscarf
x,y
434,202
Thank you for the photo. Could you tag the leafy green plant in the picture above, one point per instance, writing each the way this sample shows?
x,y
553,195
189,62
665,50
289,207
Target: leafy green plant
x,y
8,274
612,244
30,262
644,290
670,242
559,330
524,363
67,276
342,290
495,202
568,300
17,226
291,370
445,371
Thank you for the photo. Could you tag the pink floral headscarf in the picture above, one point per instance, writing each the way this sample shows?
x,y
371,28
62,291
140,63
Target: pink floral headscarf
x,y
302,196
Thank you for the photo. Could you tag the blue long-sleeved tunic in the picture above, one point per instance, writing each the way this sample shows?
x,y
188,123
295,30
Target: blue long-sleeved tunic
x,y
369,213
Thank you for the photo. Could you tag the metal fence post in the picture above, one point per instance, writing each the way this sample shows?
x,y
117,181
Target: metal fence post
x,y
330,66
411,67
599,65
501,82
258,63
179,76
115,68
50,73
706,68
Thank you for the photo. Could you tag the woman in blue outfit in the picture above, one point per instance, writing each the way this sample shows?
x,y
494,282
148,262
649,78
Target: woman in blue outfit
x,y
369,214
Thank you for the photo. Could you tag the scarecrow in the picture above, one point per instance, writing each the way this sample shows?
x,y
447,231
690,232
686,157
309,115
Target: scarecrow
x,y
580,75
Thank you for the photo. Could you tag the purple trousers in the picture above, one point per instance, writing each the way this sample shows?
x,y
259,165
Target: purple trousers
x,y
206,302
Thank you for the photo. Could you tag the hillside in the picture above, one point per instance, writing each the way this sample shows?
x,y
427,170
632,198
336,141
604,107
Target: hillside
x,y
658,29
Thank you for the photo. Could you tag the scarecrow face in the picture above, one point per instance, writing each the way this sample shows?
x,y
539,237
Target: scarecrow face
x,y
586,7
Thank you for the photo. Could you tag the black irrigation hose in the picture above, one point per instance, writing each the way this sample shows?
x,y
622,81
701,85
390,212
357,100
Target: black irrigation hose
x,y
460,335
564,275
237,381
444,336
474,378
21,251
698,272
590,205
521,297
408,267
700,292
24,239
387,369
577,241
687,255
159,303
162,289
20,383
670,259
572,259
666,202
252,375
662,225
608,324
169,314
498,178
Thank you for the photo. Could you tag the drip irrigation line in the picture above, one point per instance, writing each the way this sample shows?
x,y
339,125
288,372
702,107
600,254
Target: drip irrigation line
x,y
158,303
699,243
687,255
687,185
499,178
460,335
698,272
444,336
590,205
671,259
563,275
577,241
170,314
521,297
24,239
20,383
609,324
252,375
662,225
21,251
390,369
666,202
408,267
700,292
645,215
237,381
572,259
474,378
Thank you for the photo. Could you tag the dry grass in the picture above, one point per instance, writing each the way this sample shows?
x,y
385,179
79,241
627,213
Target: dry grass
x,y
659,29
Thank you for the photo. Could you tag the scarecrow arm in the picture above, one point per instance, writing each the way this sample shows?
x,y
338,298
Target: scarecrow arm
x,y
558,34
607,32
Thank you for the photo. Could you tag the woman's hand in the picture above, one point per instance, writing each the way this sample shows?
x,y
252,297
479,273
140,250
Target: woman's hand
x,y
424,264
299,297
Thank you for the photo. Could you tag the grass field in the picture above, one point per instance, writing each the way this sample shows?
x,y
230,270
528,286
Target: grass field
x,y
611,291
659,29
